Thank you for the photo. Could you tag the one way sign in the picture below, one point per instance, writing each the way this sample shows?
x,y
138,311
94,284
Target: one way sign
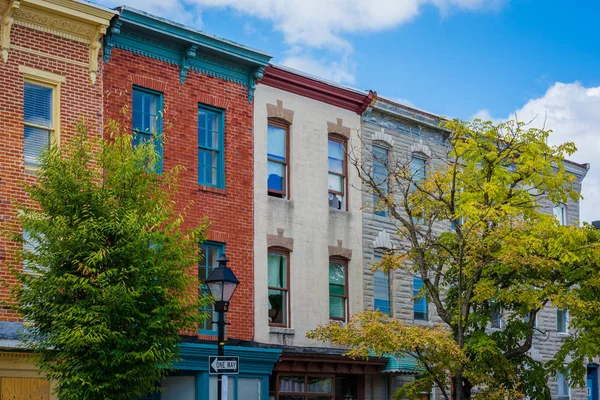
x,y
223,365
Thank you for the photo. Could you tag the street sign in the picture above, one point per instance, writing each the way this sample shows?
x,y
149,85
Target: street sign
x,y
223,365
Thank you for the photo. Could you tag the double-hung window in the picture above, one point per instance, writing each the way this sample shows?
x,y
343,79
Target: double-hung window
x,y
418,171
147,121
562,321
380,176
39,120
560,213
211,168
278,160
210,252
496,315
279,292
336,152
420,303
564,389
338,289
381,285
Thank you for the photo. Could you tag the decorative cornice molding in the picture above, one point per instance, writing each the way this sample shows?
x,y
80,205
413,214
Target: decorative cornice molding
x,y
313,88
280,241
169,42
339,251
278,112
338,128
69,19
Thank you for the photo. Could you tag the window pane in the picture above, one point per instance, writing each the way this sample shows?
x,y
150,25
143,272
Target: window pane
x,y
276,146
37,105
417,168
249,389
36,141
178,388
337,274
337,307
228,384
320,385
291,384
276,173
561,321
382,291
336,156
559,214
336,183
420,306
277,270
277,306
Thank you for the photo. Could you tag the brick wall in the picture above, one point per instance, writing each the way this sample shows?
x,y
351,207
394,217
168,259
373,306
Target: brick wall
x,y
230,210
78,99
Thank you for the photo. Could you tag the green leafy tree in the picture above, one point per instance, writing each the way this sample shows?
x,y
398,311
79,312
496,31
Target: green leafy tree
x,y
505,256
108,287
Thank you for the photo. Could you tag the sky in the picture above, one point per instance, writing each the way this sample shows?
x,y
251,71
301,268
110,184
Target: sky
x,y
492,59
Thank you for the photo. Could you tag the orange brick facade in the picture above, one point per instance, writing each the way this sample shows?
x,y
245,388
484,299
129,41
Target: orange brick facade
x,y
230,210
79,99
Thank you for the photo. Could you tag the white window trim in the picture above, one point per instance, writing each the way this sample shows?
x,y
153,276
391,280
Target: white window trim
x,y
50,80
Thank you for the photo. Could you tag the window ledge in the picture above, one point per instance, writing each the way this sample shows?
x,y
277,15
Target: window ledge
x,y
281,330
212,189
339,212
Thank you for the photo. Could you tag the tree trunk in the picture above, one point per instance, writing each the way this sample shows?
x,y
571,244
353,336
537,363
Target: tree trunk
x,y
461,388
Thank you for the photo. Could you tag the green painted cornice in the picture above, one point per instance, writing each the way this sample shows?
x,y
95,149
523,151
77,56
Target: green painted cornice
x,y
176,44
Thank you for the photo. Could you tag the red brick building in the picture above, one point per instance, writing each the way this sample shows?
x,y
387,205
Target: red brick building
x,y
197,91
50,78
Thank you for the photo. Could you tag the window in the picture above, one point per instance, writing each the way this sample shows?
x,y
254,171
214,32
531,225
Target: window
x,y
338,289
178,388
147,120
210,146
562,321
277,160
337,173
417,170
564,390
527,318
279,293
39,119
210,252
30,245
560,213
496,315
380,176
306,387
420,306
381,286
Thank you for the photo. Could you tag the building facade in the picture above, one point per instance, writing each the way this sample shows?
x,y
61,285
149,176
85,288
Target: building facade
x,y
307,241
411,136
50,79
192,95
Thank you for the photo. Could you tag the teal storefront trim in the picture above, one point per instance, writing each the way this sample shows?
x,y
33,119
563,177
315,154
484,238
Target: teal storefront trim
x,y
173,43
256,365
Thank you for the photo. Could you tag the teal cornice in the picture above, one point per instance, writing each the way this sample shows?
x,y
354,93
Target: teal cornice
x,y
176,44
253,360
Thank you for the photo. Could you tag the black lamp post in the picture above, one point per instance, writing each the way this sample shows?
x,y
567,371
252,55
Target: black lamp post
x,y
221,284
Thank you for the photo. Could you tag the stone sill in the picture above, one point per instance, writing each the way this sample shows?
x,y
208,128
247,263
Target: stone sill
x,y
282,331
212,189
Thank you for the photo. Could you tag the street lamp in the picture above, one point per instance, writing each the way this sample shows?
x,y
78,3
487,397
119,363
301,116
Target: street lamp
x,y
221,284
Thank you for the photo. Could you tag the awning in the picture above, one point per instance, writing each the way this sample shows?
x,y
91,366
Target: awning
x,y
401,364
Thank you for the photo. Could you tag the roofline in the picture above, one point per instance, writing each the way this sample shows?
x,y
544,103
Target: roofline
x,y
306,85
412,109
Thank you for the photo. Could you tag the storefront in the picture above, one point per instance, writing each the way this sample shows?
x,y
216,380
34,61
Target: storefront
x,y
191,380
321,377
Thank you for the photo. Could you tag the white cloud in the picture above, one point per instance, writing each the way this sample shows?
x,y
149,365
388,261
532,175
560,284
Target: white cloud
x,y
336,71
313,24
572,111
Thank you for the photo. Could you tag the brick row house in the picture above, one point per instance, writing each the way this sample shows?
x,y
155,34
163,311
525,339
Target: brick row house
x,y
50,78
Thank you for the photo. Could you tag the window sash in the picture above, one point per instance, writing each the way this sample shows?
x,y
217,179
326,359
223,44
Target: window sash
x,y
278,287
39,102
146,121
562,321
381,292
204,270
210,146
420,305
336,286
336,175
380,173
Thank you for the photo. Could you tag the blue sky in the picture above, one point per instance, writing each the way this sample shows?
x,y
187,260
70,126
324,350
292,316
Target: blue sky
x,y
457,58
